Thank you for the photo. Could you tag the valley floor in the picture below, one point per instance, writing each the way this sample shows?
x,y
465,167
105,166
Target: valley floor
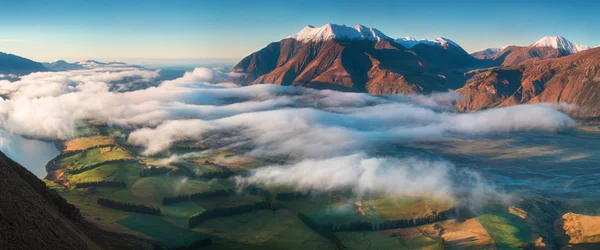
x,y
530,168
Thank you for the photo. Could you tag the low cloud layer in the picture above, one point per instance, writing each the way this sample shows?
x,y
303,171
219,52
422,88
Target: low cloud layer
x,y
333,139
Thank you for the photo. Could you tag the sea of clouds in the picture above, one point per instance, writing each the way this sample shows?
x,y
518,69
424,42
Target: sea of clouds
x,y
332,140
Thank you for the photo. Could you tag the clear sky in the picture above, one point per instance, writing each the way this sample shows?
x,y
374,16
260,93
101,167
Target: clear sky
x,y
77,29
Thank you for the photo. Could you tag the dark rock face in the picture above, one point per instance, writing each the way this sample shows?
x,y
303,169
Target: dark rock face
x,y
377,67
35,217
574,79
11,64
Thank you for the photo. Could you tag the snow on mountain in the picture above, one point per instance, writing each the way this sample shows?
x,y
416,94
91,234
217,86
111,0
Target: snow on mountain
x,y
561,43
410,42
495,50
338,32
359,32
490,51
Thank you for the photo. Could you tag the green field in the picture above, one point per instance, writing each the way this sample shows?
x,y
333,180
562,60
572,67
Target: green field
x,y
158,228
180,212
507,230
95,156
228,201
88,142
373,240
404,208
336,215
123,172
262,229
153,189
88,206
279,229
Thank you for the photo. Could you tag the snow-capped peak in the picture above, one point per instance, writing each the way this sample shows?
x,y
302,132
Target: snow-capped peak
x,y
410,42
561,43
338,32
493,50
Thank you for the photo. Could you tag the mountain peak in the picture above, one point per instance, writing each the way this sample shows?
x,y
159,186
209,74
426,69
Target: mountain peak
x,y
560,43
338,32
410,42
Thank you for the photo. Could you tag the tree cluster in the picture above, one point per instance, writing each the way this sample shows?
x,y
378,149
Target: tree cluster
x,y
90,167
187,197
134,208
198,244
230,211
325,231
152,170
389,224
101,184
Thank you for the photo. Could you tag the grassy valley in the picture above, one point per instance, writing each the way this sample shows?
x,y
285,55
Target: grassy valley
x,y
100,165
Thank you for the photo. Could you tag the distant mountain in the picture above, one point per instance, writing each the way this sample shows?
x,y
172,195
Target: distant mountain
x,y
358,59
574,79
546,47
61,65
410,42
487,53
12,64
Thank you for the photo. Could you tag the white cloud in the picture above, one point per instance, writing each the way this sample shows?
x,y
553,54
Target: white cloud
x,y
335,137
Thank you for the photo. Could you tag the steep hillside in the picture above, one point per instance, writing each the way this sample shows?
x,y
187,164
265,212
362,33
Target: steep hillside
x,y
357,59
574,79
34,217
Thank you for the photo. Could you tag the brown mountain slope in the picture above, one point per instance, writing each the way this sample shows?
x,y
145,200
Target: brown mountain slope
x,y
35,217
574,79
490,53
513,55
378,67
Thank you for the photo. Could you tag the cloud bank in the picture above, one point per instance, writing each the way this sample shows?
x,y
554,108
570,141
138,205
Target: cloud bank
x,y
333,140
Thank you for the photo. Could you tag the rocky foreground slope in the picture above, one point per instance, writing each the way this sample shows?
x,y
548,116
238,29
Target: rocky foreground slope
x,y
35,217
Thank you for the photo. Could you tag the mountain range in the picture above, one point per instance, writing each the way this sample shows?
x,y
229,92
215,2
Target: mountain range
x,y
363,59
547,47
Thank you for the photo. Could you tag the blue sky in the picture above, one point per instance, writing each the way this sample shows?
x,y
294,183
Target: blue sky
x,y
76,29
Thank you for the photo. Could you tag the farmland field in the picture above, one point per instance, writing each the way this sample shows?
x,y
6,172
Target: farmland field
x,y
153,189
121,172
88,142
95,156
158,228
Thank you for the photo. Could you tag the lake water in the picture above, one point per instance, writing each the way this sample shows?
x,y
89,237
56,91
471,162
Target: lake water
x,y
31,154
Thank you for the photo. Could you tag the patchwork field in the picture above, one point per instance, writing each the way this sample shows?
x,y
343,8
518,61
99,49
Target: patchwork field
x,y
159,228
88,142
493,227
508,231
120,172
274,229
97,155
373,240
